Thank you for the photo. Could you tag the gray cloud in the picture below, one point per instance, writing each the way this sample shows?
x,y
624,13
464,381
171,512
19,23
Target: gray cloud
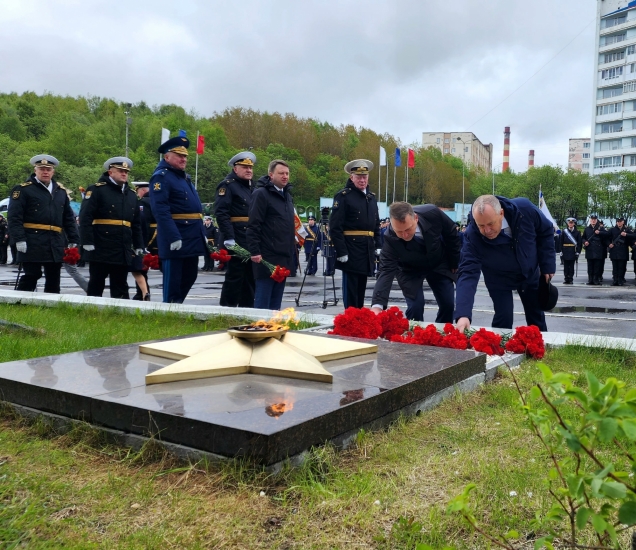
x,y
401,67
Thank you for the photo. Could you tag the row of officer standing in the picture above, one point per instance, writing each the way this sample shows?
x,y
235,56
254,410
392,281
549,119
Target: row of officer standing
x,y
598,242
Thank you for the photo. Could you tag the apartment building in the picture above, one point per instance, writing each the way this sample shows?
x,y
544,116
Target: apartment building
x,y
579,157
464,145
613,144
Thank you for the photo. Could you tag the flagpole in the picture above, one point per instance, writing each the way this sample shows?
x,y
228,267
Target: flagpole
x,y
380,175
386,198
406,196
394,174
196,164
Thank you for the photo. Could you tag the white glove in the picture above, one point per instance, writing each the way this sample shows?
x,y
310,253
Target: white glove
x,y
561,254
176,245
21,247
139,251
577,253
377,251
228,243
89,247
72,245
343,259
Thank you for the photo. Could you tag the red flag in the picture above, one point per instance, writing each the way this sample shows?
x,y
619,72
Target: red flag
x,y
411,161
200,145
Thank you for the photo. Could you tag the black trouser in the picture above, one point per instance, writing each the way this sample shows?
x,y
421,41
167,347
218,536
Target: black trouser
x,y
33,273
3,253
354,286
443,290
208,263
568,270
14,254
238,287
619,267
312,264
595,270
118,275
504,310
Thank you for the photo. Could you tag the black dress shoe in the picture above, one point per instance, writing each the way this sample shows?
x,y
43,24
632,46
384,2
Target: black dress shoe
x,y
590,283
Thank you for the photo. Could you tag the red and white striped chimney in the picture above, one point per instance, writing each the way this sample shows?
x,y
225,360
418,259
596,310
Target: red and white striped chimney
x,y
506,154
531,158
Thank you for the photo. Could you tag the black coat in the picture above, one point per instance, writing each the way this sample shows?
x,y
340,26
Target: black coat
x,y
148,224
438,253
31,203
233,199
354,210
620,250
270,231
114,243
597,247
570,250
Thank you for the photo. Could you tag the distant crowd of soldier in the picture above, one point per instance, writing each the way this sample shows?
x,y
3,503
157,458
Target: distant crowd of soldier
x,y
598,242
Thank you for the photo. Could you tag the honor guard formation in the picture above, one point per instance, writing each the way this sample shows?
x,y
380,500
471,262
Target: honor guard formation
x,y
508,242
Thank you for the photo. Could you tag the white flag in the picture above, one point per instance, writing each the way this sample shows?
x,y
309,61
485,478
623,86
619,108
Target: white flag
x,y
382,156
165,135
544,208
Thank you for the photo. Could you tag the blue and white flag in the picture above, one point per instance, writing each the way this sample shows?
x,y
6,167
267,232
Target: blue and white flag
x,y
398,158
544,208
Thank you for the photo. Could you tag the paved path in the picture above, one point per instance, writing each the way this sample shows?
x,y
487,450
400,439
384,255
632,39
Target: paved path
x,y
602,311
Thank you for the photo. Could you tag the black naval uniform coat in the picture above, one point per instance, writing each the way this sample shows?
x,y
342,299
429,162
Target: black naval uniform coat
x,y
115,243
569,252
620,250
32,205
595,252
355,230
231,210
354,210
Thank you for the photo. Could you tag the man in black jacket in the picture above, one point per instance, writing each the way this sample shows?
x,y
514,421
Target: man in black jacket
x,y
355,232
271,233
420,243
4,239
595,252
619,240
570,245
39,215
110,229
231,209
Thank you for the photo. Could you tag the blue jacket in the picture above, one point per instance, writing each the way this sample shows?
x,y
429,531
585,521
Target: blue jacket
x,y
172,194
507,263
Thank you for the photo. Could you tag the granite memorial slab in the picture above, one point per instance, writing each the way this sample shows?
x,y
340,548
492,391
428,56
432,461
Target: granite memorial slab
x,y
263,417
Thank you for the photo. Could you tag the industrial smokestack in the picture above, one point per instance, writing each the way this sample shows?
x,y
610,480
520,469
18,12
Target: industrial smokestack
x,y
531,158
506,155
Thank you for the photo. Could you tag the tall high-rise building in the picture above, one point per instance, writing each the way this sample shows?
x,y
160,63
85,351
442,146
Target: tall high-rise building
x,y
464,145
579,156
613,144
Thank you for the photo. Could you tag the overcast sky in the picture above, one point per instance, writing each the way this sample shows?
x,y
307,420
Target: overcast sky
x,y
397,66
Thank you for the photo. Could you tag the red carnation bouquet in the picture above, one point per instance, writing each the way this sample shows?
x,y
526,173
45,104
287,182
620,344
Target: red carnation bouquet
x,y
393,322
487,342
150,261
222,256
359,323
71,256
278,273
528,340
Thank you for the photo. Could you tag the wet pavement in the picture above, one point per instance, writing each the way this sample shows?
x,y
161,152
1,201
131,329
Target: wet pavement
x,y
600,310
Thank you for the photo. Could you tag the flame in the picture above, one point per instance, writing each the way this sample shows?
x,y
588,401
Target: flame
x,y
267,325
278,409
283,319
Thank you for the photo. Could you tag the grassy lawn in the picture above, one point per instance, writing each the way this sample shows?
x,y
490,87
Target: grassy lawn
x,y
75,491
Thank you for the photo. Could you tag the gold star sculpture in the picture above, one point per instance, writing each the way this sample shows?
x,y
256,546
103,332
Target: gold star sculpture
x,y
290,355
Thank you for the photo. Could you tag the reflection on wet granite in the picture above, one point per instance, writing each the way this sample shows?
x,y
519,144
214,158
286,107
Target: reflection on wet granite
x,y
268,418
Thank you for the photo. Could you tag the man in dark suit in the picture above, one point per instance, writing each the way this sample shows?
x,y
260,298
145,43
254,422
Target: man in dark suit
x,y
420,243
511,242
